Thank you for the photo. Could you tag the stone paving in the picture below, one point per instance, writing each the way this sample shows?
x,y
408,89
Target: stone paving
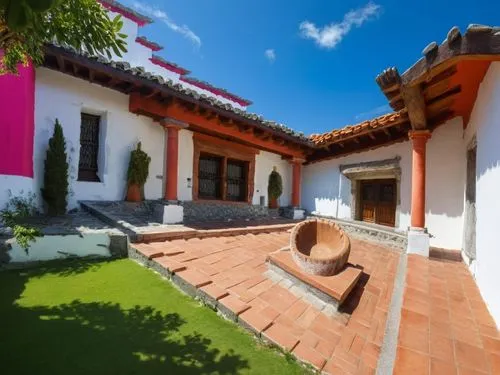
x,y
229,273
445,325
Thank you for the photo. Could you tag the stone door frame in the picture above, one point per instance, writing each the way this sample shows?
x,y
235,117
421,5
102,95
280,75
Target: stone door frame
x,y
372,170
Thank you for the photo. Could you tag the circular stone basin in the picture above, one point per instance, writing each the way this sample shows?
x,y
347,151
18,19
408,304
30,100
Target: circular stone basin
x,y
320,247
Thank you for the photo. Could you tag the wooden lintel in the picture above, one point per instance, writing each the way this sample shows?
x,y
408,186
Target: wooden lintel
x,y
141,105
415,104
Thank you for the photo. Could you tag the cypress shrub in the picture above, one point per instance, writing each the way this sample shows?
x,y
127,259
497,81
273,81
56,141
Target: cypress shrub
x,y
55,180
275,185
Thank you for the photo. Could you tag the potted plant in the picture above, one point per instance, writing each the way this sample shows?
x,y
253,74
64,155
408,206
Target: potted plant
x,y
137,174
274,188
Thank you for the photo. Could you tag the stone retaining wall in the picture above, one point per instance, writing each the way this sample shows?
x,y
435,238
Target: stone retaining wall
x,y
217,211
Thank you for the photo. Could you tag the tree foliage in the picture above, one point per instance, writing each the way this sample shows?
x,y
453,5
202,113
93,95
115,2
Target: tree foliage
x,y
13,216
27,25
55,179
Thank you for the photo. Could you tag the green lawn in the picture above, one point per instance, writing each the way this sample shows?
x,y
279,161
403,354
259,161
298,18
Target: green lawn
x,y
118,318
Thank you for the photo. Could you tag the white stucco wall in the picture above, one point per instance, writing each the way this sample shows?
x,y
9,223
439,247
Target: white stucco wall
x,y
485,124
264,163
139,55
14,186
64,97
326,191
61,246
445,182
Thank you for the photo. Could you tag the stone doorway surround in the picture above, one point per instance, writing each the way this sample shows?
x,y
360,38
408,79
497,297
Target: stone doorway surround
x,y
371,170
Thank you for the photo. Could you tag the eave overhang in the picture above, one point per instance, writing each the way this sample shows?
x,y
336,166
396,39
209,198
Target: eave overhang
x,y
159,93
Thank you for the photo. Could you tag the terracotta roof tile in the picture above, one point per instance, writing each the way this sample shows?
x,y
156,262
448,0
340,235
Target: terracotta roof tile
x,y
351,130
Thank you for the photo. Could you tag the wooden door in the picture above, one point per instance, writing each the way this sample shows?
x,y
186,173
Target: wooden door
x,y
368,201
386,207
378,201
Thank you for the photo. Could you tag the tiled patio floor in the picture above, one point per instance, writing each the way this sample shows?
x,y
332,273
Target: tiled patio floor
x,y
445,326
231,270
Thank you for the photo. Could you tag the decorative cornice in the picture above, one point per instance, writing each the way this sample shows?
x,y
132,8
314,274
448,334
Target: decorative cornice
x,y
160,61
142,40
115,6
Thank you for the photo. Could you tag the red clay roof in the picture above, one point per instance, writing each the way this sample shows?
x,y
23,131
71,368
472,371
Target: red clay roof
x,y
364,127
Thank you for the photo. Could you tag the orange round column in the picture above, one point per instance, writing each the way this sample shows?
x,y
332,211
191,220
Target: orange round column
x,y
419,140
172,162
297,169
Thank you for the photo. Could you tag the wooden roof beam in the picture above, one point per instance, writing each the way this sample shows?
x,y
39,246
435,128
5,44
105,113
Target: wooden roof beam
x,y
415,104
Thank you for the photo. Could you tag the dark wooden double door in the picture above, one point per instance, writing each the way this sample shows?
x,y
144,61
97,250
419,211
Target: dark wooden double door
x,y
378,201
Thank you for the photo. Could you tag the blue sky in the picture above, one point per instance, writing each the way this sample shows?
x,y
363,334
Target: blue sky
x,y
308,64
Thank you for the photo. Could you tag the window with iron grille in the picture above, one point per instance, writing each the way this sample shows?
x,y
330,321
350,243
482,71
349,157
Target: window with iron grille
x,y
236,180
221,178
89,148
210,177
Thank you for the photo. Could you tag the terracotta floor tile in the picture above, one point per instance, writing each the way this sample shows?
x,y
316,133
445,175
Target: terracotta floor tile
x,y
307,354
278,334
468,334
214,291
324,347
470,356
256,320
415,339
337,365
491,344
439,367
409,362
442,348
234,305
494,361
489,331
170,264
194,278
441,328
469,371
414,319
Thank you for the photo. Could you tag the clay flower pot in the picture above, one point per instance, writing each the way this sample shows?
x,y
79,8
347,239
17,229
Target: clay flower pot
x,y
273,202
134,193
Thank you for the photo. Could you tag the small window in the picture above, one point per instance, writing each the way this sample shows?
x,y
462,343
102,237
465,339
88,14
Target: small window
x,y
89,148
222,178
210,177
236,180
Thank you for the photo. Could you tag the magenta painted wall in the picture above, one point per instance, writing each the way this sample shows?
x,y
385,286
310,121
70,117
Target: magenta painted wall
x,y
17,112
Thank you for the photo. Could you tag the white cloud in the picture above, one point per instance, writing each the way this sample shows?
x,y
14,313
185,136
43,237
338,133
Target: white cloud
x,y
270,54
331,35
163,16
380,110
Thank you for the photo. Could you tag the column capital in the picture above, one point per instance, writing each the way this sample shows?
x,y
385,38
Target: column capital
x,y
171,123
419,134
299,161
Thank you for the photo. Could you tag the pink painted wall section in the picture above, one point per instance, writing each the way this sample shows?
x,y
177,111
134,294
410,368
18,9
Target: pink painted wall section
x,y
17,125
